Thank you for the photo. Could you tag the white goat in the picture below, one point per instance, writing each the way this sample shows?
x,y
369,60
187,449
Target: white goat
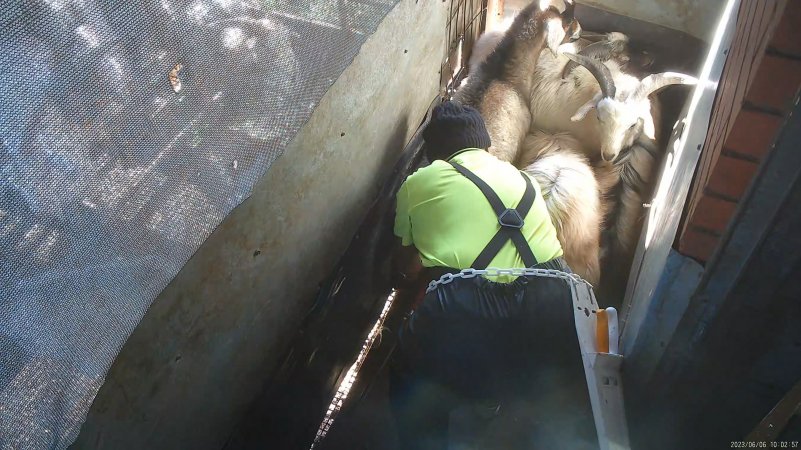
x,y
570,192
623,109
500,86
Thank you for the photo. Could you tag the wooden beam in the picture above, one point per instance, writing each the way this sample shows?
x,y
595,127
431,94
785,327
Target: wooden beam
x,y
774,423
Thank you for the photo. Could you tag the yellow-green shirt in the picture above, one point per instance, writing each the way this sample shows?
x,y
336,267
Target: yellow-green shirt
x,y
448,219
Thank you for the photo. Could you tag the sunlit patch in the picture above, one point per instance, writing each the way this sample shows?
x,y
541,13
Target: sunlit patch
x,y
9,227
155,220
159,103
30,236
197,11
46,247
88,33
56,4
186,216
257,131
267,23
350,377
232,37
116,68
167,7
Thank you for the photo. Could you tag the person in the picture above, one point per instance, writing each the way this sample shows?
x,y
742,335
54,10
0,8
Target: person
x,y
488,339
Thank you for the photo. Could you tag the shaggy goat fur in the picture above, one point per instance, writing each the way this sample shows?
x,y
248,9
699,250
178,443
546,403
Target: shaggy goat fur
x,y
622,103
486,44
570,192
625,185
554,101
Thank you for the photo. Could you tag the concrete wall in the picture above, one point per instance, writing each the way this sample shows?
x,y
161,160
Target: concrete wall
x,y
204,349
695,17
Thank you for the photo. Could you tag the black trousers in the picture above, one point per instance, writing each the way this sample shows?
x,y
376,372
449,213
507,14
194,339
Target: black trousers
x,y
508,352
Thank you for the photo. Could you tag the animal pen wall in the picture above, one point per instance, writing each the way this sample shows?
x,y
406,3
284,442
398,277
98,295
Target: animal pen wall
x,y
215,159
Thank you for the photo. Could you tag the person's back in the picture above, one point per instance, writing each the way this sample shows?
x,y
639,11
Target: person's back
x,y
450,221
499,339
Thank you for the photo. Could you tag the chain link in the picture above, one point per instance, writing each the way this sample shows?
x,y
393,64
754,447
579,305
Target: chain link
x,y
519,272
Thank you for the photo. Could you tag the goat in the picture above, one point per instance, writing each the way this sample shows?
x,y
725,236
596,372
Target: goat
x,y
570,192
597,212
582,200
623,109
625,186
486,44
500,86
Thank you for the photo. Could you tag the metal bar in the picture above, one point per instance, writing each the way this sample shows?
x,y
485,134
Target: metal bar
x,y
662,219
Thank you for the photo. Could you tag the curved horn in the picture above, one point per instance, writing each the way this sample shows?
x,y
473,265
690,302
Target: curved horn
x,y
601,51
657,81
599,71
593,36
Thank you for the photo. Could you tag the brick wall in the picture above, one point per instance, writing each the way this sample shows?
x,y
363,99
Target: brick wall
x,y
758,86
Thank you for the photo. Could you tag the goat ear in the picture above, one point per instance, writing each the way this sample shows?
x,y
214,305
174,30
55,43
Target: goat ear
x,y
582,112
585,108
648,127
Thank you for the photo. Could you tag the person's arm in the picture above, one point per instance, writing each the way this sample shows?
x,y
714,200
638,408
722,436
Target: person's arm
x,y
406,264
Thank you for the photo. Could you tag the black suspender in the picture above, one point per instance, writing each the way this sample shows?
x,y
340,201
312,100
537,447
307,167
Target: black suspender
x,y
510,220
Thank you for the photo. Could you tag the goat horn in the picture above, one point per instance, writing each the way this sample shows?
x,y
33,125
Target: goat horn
x,y
599,71
601,51
657,81
570,9
592,36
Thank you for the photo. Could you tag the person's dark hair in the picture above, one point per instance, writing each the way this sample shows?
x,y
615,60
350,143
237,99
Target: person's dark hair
x,y
454,127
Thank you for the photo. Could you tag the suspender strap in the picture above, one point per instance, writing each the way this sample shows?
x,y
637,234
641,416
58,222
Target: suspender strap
x,y
510,220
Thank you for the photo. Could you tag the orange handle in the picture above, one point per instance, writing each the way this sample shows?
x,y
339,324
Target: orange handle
x,y
602,331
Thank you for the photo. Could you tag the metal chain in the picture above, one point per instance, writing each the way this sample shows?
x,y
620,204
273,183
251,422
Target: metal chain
x,y
493,271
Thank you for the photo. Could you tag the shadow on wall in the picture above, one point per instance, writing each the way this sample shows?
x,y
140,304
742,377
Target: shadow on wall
x,y
294,399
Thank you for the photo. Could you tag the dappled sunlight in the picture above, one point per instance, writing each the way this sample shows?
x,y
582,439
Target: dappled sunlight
x,y
232,37
130,132
88,33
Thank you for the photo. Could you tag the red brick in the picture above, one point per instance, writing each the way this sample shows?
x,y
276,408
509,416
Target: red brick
x,y
787,37
753,133
776,83
697,245
731,177
713,213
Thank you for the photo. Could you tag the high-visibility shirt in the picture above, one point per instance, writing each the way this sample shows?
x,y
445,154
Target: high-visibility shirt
x,y
449,220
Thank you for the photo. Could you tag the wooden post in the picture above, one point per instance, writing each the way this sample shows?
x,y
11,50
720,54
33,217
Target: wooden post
x,y
494,13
